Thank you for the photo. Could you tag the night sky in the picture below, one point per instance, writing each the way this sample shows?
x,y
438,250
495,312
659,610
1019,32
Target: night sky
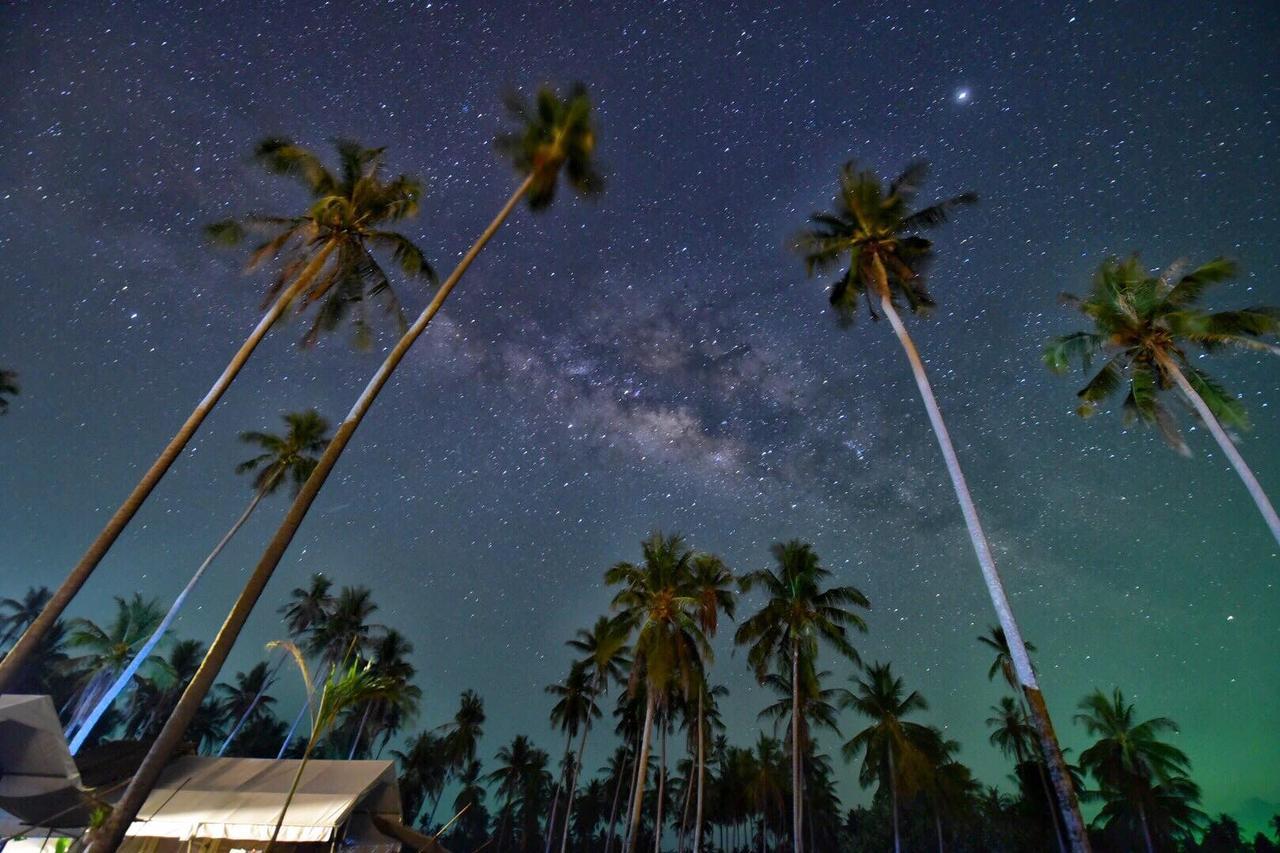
x,y
657,358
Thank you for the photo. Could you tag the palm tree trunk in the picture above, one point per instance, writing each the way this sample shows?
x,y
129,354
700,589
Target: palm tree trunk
x,y
937,826
248,712
893,798
617,791
702,772
126,675
1049,746
110,834
577,768
297,720
1228,446
293,789
555,802
1146,829
658,825
364,718
642,764
796,819
683,831
31,639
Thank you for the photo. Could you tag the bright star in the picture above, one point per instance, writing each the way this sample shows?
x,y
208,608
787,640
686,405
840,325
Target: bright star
x,y
962,96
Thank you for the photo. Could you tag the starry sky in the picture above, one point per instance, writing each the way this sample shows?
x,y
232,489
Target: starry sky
x,y
656,359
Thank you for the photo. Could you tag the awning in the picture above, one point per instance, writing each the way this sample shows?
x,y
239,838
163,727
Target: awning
x,y
241,798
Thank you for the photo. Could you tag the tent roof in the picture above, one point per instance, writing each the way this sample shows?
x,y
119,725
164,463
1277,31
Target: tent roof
x,y
241,798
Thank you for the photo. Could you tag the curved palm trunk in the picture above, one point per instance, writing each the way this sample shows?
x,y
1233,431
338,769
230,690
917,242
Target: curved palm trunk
x,y
577,768
355,742
126,675
642,764
555,803
658,825
796,757
1049,747
110,834
702,772
617,791
248,712
1259,496
31,639
893,798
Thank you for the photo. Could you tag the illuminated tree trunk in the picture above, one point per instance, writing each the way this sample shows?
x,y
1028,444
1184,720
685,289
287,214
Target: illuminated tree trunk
x,y
702,772
642,764
796,771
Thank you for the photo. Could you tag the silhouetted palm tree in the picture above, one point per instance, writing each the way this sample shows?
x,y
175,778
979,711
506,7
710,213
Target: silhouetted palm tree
x,y
712,587
8,388
556,138
875,232
325,254
17,613
424,769
1142,326
797,614
108,650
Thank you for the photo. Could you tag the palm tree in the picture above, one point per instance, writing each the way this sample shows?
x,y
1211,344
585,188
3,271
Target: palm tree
x,y
657,603
472,826
386,715
874,228
604,648
8,388
555,137
894,749
465,730
287,457
1142,325
1129,759
108,650
247,700
424,770
796,615
713,590
521,770
325,255
574,709
766,782
18,613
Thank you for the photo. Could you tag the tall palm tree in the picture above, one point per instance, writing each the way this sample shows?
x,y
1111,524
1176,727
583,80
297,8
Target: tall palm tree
x,y
246,699
17,613
555,137
464,731
288,457
521,769
108,650
712,584
604,649
1143,325
875,232
1129,758
385,715
766,782
324,254
796,615
424,770
657,604
894,749
573,710
8,388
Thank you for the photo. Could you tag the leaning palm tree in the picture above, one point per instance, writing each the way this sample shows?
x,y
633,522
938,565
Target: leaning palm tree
x,y
1143,325
8,388
894,750
1129,759
556,137
604,649
874,231
288,457
797,614
712,587
325,256
657,603
108,650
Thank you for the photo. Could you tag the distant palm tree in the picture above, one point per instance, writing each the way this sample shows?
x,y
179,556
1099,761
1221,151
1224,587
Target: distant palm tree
x,y
1129,758
8,388
657,603
424,770
797,614
574,709
520,775
17,613
284,457
246,699
1010,731
464,731
152,698
108,650
325,255
712,588
766,782
1142,325
554,138
875,232
472,827
385,715
893,749
604,649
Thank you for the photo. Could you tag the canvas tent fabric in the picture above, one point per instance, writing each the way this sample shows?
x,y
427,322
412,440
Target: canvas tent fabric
x,y
240,799
39,780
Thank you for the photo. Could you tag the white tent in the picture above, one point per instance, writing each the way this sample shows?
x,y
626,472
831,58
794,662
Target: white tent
x,y
239,800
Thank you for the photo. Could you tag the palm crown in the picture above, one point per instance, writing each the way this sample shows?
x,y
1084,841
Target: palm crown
x,y
291,456
1142,324
874,234
1127,752
554,135
346,209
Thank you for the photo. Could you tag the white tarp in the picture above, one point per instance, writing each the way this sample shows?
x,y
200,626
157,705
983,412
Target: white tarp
x,y
241,798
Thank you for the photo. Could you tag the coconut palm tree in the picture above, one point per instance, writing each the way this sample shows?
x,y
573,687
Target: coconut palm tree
x,y
876,238
574,709
246,699
521,772
325,256
1129,758
108,650
471,828
894,749
554,139
463,732
424,770
766,782
604,649
1143,324
17,613
658,604
712,584
386,715
797,614
284,458
8,388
